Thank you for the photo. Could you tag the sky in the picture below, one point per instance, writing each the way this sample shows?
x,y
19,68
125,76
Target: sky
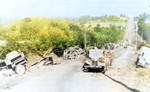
x,y
19,9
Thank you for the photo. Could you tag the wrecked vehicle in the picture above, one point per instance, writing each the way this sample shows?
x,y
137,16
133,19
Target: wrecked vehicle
x,y
15,62
143,58
49,59
94,62
125,44
73,53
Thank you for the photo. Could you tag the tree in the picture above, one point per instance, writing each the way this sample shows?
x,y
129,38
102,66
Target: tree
x,y
43,34
141,26
27,19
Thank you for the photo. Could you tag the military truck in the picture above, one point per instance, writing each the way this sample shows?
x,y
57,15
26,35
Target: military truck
x,y
93,63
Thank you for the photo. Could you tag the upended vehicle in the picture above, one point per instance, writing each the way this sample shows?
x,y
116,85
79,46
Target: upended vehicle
x,y
14,62
92,63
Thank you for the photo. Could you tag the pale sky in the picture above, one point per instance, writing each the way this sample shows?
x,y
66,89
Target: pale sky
x,y
19,9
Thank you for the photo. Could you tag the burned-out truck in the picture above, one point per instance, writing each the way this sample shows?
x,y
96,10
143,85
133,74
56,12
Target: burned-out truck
x,y
14,61
93,63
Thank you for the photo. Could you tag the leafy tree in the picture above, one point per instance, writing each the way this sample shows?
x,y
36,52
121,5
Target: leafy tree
x,y
42,34
98,25
113,18
78,35
141,26
27,19
104,35
3,34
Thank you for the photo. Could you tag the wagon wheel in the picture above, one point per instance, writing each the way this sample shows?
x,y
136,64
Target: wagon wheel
x,y
67,54
20,69
74,54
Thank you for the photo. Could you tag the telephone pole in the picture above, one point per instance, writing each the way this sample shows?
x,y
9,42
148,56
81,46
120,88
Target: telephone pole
x,y
84,39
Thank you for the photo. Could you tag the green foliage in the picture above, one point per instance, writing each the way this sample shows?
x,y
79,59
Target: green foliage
x,y
113,18
143,72
27,19
78,35
143,28
98,25
4,51
89,26
40,34
123,15
91,38
104,35
3,33
85,19
142,44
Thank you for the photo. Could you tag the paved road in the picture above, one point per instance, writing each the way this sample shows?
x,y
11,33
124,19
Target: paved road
x,y
130,31
68,77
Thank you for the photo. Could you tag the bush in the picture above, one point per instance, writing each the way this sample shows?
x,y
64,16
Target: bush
x,y
41,34
140,45
144,72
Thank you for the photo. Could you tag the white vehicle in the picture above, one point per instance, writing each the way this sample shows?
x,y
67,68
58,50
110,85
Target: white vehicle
x,y
15,62
93,61
144,58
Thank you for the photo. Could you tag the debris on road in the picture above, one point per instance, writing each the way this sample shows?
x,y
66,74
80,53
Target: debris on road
x,y
112,46
73,53
52,59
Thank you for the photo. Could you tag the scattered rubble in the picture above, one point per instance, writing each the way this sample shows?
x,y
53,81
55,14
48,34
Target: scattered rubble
x,y
112,46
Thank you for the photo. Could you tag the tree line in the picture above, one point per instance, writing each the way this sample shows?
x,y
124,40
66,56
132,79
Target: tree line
x,y
41,34
143,26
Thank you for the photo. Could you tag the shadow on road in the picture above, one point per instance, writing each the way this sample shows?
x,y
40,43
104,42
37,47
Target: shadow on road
x,y
131,89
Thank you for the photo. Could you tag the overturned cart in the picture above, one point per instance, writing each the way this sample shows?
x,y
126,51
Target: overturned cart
x,y
93,63
15,62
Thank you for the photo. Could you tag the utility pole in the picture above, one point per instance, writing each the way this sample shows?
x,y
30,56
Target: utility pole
x,y
141,37
84,39
136,30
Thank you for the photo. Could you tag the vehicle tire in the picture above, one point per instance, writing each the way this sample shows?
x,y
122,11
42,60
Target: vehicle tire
x,y
74,54
20,69
85,69
104,69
